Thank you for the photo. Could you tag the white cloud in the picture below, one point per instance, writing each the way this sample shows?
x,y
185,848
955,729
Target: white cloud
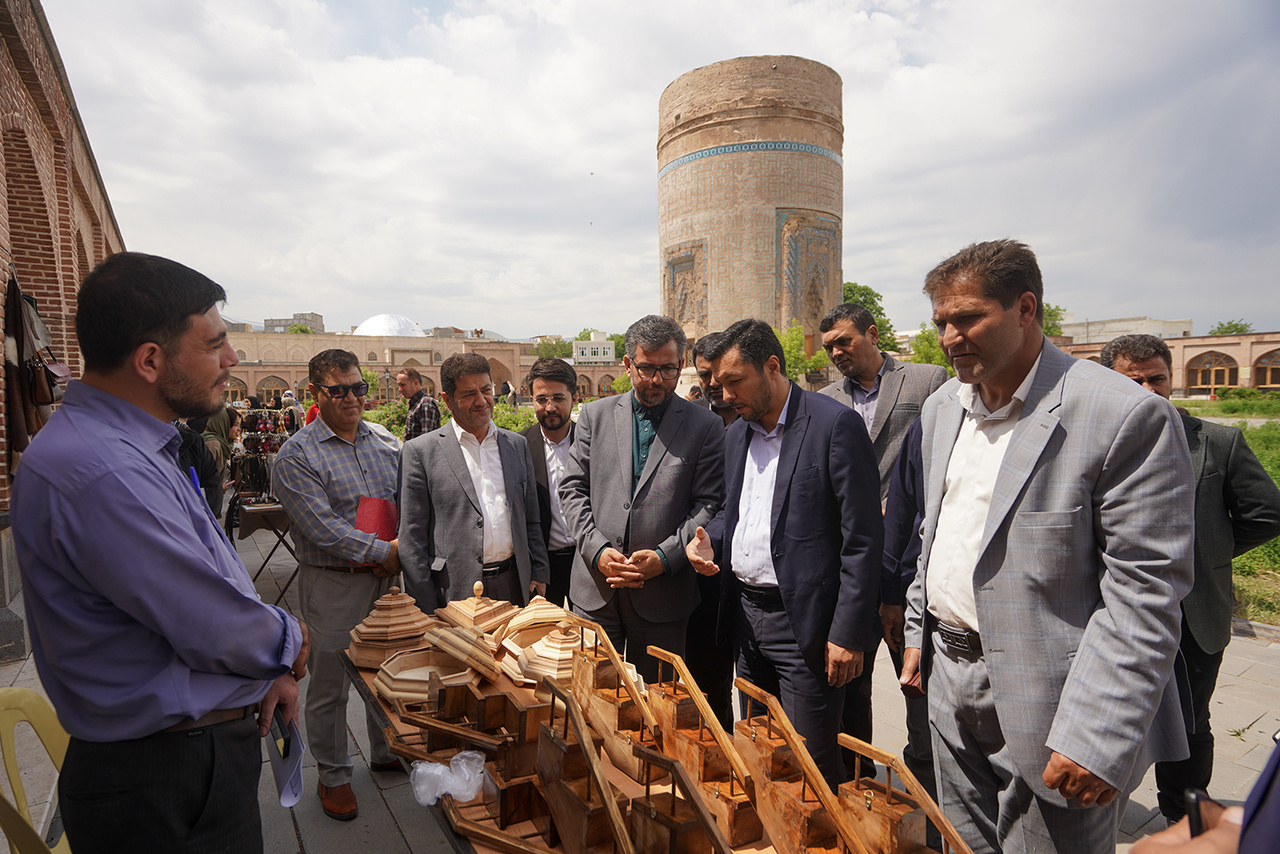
x,y
492,162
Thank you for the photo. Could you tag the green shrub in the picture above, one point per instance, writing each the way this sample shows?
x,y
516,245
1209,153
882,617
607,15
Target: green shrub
x,y
391,415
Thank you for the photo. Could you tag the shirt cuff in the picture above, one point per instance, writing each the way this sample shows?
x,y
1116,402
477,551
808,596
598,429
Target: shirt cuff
x,y
379,551
595,561
666,565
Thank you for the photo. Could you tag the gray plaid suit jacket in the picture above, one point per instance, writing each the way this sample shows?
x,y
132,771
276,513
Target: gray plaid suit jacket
x,y
441,527
903,390
680,488
1084,558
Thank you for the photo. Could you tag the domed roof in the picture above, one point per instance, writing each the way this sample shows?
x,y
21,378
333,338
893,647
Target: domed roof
x,y
396,325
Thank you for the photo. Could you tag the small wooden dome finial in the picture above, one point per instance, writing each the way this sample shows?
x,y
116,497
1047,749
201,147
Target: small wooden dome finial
x,y
477,589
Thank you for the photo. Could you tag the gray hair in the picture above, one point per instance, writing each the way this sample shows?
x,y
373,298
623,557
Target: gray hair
x,y
653,332
1135,348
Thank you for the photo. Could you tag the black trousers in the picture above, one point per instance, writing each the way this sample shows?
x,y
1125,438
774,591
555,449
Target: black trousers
x,y
1174,778
711,663
770,658
561,569
194,791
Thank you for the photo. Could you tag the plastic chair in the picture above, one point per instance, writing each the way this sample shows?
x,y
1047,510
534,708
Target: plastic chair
x,y
23,704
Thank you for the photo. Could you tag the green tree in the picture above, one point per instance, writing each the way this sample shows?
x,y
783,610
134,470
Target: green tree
x,y
619,345
1053,319
554,348
868,298
585,335
798,364
301,327
622,384
1231,327
927,349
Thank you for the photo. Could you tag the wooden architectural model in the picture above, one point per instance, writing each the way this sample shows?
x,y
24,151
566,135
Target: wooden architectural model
x,y
395,623
478,612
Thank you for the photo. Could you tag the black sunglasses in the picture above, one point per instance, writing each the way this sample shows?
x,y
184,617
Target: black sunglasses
x,y
338,392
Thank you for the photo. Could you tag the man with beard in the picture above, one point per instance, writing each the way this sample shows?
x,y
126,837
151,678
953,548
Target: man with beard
x,y
887,394
646,469
146,631
320,476
800,538
555,391
712,391
469,501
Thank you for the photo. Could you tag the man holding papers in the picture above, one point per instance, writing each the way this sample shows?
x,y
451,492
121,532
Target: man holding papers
x,y
321,476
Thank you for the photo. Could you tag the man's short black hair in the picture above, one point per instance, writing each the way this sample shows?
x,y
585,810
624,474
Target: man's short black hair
x,y
411,373
462,365
1135,348
553,371
327,362
653,332
131,299
850,311
704,343
755,340
1004,269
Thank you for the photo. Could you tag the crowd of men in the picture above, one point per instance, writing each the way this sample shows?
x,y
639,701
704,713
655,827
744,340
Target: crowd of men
x,y
1020,537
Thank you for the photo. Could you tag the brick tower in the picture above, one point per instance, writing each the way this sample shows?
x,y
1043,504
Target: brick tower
x,y
750,193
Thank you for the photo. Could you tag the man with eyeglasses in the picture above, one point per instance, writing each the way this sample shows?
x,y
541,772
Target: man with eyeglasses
x,y
469,501
319,476
645,470
554,384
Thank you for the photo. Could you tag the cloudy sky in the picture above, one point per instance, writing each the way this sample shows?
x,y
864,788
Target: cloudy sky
x,y
492,163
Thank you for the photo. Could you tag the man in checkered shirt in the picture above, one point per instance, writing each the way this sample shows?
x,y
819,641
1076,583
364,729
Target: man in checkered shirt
x,y
424,413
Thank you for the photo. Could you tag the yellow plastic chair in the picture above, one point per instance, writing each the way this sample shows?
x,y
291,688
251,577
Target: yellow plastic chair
x,y
23,704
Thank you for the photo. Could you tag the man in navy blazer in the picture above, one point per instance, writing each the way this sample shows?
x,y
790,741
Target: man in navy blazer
x,y
800,535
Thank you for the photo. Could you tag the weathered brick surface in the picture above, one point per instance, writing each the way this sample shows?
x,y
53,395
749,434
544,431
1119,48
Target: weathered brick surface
x,y
55,218
751,193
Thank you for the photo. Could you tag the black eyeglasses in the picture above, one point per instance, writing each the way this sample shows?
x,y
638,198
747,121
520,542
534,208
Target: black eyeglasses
x,y
338,392
668,372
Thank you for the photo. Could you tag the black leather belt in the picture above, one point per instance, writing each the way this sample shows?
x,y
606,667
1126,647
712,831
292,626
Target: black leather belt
x,y
352,569
497,567
564,552
764,598
961,640
217,716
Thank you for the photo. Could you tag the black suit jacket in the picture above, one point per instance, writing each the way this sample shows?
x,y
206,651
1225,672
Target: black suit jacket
x,y
533,434
826,529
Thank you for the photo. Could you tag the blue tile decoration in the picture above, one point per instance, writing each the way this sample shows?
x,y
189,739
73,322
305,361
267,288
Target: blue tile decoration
x,y
739,147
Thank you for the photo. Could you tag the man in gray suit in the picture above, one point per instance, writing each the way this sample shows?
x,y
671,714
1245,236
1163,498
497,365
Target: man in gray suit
x,y
1237,509
645,470
469,501
1044,614
887,394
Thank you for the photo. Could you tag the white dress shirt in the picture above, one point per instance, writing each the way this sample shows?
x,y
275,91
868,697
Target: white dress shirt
x,y
484,462
751,549
557,457
975,463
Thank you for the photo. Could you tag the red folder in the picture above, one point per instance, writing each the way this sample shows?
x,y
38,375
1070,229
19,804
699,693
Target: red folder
x,y
377,516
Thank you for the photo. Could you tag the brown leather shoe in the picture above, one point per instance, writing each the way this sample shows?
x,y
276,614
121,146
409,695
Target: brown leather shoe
x,y
339,802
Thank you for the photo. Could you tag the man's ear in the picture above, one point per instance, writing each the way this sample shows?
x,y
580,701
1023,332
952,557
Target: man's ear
x,y
148,362
874,334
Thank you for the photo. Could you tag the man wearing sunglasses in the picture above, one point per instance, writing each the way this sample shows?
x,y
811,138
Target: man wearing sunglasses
x,y
319,476
645,470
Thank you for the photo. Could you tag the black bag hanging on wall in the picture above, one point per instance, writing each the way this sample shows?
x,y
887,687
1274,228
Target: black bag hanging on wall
x,y
47,376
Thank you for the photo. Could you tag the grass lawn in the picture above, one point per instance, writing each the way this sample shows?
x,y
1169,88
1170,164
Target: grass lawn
x,y
1257,573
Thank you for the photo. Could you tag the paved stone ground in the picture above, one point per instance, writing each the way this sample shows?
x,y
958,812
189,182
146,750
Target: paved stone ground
x,y
1246,712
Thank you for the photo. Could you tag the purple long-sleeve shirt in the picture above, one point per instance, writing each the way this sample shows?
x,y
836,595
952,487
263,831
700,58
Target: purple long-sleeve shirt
x,y
141,613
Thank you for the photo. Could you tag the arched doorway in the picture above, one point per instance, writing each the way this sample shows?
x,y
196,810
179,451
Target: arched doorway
x,y
605,385
1211,371
584,387
1266,371
236,390
269,387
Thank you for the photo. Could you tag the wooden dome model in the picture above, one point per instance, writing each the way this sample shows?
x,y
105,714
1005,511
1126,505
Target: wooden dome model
x,y
478,612
394,624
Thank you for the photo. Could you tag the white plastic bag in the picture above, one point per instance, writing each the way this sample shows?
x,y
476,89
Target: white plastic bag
x,y
462,777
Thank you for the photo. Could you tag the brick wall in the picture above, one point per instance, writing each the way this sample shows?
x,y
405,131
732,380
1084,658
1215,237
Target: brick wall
x,y
56,221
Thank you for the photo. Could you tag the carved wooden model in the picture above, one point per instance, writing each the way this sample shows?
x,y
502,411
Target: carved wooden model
x,y
478,612
394,624
665,822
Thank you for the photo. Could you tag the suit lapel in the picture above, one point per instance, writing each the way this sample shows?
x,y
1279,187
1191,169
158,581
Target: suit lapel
x,y
938,455
1197,445
539,453
1030,435
887,398
792,438
453,453
509,454
623,431
667,432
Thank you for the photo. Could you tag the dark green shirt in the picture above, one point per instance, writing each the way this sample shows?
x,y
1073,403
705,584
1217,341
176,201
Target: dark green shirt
x,y
646,420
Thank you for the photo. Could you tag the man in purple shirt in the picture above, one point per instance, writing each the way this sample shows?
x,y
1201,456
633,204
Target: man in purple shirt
x,y
162,663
